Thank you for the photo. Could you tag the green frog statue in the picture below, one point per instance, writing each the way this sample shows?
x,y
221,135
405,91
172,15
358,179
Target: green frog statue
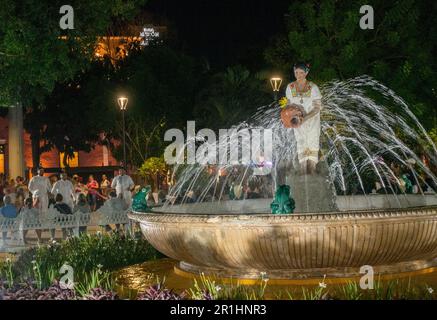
x,y
283,202
408,185
139,203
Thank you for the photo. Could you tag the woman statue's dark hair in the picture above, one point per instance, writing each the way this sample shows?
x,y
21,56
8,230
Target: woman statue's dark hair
x,y
302,65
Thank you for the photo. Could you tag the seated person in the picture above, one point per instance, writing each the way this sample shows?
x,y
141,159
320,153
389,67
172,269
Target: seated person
x,y
62,208
162,196
22,192
30,214
82,206
116,203
253,193
10,192
191,197
8,211
236,192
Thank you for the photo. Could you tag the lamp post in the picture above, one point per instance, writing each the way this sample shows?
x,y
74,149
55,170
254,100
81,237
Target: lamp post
x,y
122,103
275,82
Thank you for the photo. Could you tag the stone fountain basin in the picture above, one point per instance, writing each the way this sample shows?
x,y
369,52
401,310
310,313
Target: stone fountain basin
x,y
296,245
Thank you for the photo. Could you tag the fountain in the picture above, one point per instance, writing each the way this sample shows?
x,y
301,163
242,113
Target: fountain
x,y
356,210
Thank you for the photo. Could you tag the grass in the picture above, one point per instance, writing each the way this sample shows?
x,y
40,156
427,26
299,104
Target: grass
x,y
350,291
6,272
95,279
212,288
92,258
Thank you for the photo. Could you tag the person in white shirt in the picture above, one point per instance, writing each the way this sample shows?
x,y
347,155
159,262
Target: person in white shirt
x,y
123,185
40,186
65,188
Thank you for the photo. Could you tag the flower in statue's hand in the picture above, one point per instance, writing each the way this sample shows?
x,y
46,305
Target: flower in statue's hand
x,y
283,102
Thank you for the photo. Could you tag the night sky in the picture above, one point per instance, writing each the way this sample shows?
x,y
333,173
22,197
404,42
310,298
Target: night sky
x,y
226,32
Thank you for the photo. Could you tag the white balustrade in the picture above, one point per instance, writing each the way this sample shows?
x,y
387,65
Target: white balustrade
x,y
52,219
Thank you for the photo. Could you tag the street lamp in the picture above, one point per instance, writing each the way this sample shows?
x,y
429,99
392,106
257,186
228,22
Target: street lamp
x,y
276,85
122,103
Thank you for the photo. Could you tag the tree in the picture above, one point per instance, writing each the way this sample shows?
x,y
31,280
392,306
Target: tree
x,y
142,140
76,113
35,53
161,84
152,169
230,97
399,52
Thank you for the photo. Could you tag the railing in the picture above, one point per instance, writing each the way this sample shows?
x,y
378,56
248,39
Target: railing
x,y
105,215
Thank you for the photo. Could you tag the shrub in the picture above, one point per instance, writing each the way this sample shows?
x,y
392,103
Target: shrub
x,y
28,291
100,294
84,254
158,292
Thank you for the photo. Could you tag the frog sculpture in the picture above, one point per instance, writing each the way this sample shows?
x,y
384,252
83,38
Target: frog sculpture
x,y
283,202
408,185
139,202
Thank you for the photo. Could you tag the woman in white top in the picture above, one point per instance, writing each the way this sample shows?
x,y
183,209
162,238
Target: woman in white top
x,y
307,94
105,185
30,215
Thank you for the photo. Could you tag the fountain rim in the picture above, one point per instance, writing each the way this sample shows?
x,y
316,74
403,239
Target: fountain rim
x,y
161,216
170,225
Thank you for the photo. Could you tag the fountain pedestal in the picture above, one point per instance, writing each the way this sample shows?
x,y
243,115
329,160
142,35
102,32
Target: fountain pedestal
x,y
312,193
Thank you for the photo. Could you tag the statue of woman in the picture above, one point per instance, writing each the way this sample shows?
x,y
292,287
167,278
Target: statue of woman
x,y
307,94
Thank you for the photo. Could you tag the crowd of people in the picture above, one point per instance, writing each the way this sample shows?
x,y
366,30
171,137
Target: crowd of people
x,y
66,195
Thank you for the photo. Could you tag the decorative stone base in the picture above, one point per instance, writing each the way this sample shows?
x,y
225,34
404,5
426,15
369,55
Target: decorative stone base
x,y
297,274
312,193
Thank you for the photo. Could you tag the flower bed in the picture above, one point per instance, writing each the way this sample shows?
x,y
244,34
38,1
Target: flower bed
x,y
93,258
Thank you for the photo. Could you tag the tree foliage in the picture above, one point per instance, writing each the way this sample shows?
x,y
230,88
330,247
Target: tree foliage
x,y
229,97
38,60
400,51
161,84
35,52
152,169
76,114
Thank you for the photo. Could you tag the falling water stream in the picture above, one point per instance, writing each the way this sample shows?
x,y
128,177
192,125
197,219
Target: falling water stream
x,y
367,133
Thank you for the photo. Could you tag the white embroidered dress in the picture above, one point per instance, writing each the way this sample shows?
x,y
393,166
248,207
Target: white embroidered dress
x,y
308,134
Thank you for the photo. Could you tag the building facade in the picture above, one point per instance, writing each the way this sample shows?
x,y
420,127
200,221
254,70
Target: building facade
x,y
100,160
